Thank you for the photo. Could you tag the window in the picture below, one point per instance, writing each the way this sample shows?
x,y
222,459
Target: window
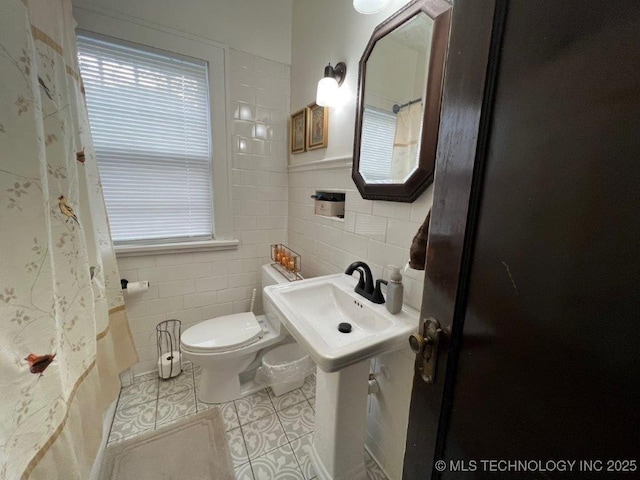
x,y
378,132
150,122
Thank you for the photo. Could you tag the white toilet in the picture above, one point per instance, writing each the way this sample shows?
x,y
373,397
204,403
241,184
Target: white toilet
x,y
228,346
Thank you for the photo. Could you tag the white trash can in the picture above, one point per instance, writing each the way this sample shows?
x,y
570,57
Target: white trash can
x,y
284,368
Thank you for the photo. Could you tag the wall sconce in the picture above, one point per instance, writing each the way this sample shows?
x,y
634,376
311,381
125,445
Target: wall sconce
x,y
327,92
370,6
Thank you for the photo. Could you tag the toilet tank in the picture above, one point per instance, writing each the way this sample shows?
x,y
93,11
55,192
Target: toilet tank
x,y
270,276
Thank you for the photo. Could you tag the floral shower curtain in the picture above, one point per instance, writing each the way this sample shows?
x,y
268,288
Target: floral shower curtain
x,y
64,335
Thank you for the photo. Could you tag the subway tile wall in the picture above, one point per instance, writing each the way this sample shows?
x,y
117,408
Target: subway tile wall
x,y
377,232
196,286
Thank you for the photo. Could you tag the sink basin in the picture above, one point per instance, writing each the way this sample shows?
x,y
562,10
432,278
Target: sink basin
x,y
312,309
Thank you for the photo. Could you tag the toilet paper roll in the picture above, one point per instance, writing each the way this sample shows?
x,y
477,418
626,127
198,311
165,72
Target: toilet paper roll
x,y
137,287
169,365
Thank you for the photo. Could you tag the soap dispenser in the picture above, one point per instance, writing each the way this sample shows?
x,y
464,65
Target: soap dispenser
x,y
395,290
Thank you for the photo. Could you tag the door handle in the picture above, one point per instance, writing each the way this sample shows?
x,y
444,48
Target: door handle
x,y
426,349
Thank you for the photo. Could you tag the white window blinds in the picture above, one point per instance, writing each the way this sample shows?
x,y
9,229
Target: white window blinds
x,y
376,146
149,115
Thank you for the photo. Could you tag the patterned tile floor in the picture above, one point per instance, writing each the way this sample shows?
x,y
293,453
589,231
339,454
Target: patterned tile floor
x,y
268,436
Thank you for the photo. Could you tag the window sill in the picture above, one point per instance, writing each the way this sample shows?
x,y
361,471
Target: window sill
x,y
166,248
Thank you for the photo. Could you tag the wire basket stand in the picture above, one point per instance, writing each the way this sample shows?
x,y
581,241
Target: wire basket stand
x,y
169,351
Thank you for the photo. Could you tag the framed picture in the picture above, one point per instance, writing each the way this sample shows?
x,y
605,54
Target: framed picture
x,y
298,130
317,127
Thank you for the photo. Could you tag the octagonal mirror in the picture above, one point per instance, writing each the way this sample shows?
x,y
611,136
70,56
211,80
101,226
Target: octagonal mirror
x,y
399,98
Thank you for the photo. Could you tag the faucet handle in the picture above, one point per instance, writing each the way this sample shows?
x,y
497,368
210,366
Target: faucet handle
x,y
377,296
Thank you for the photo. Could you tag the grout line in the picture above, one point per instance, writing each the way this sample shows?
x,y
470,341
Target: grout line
x,y
195,396
155,417
173,393
273,449
296,458
157,389
314,413
195,402
290,442
115,412
252,472
287,437
244,441
155,420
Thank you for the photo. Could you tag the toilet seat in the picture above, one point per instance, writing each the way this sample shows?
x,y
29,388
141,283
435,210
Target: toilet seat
x,y
221,334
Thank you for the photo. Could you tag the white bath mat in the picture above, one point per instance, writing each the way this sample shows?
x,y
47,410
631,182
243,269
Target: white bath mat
x,y
195,448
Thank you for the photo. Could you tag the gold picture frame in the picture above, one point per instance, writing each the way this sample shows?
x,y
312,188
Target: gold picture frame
x,y
317,127
297,131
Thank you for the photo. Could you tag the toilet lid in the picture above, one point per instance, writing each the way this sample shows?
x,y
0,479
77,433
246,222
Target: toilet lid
x,y
222,333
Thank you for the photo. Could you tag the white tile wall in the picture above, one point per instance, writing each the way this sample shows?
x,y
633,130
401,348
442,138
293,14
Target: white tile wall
x,y
195,286
377,232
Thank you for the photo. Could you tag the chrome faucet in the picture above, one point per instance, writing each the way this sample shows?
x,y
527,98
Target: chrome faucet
x,y
365,283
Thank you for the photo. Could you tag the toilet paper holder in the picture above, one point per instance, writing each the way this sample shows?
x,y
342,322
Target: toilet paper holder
x,y
124,282
169,352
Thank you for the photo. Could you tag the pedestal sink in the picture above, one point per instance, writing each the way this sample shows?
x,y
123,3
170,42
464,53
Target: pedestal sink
x,y
312,310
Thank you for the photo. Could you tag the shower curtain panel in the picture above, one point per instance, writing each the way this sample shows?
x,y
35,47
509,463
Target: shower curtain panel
x,y
64,335
406,143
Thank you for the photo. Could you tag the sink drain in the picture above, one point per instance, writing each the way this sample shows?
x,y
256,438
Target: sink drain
x,y
344,327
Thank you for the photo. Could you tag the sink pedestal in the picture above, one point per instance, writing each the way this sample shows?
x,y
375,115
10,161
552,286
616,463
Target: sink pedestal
x,y
337,452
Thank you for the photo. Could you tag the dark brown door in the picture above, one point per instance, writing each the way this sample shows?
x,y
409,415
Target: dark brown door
x,y
534,247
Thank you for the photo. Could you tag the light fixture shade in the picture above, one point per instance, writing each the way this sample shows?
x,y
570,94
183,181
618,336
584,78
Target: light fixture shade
x,y
370,6
327,91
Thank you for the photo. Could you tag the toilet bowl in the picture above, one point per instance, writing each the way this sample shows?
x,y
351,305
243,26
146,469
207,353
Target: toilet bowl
x,y
227,346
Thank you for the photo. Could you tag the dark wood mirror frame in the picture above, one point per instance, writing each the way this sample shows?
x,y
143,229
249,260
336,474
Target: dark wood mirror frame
x,y
440,12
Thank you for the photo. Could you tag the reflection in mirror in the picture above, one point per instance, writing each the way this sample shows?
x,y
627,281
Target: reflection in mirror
x,y
393,104
399,99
